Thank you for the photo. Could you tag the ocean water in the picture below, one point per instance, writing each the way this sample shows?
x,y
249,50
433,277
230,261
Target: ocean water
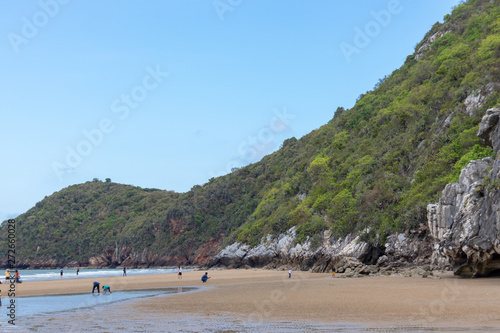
x,y
53,274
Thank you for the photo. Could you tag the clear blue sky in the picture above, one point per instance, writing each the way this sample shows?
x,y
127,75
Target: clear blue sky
x,y
172,93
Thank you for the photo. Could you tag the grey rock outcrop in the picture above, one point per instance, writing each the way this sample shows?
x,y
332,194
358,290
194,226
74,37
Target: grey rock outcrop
x,y
274,252
348,255
408,250
489,131
427,44
466,221
476,99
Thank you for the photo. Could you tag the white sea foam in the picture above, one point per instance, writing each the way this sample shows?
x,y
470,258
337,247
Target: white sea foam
x,y
43,274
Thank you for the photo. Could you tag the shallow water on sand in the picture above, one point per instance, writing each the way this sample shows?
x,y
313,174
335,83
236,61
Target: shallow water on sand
x,y
102,314
111,321
37,305
30,310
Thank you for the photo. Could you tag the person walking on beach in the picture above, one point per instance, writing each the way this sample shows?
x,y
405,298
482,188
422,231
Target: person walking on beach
x,y
124,270
205,277
289,273
333,272
96,286
7,275
77,271
179,273
61,273
106,289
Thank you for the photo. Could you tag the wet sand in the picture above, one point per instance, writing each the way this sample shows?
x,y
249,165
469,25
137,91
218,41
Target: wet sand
x,y
263,295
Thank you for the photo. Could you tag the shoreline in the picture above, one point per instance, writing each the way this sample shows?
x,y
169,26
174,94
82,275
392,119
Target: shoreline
x,y
190,278
28,276
57,268
262,295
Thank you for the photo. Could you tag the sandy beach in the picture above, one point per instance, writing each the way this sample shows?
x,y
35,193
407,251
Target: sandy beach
x,y
265,295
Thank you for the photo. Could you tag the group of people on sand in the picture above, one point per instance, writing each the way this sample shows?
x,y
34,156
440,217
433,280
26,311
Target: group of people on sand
x,y
96,284
61,272
204,278
17,277
106,289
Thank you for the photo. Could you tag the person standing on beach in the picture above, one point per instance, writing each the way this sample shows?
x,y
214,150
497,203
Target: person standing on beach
x,y
61,273
333,272
96,286
77,271
7,275
124,270
179,273
289,273
16,275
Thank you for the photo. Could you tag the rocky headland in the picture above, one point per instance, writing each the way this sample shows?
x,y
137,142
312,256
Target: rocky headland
x,y
463,233
465,224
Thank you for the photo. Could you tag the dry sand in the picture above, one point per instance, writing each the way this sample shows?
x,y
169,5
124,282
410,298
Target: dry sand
x,y
264,295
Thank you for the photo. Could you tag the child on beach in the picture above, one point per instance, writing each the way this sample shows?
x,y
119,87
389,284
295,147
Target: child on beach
x,y
106,289
61,273
205,277
179,273
289,273
7,275
96,286
77,271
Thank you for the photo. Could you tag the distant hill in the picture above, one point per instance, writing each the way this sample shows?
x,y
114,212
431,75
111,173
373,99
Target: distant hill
x,y
373,167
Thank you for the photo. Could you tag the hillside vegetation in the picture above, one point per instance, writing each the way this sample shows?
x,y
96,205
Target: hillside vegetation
x,y
373,168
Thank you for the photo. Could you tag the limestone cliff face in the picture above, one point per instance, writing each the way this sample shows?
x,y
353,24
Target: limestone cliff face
x,y
284,251
349,253
466,222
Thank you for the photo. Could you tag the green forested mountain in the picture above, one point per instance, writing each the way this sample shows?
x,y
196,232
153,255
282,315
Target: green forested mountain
x,y
375,165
